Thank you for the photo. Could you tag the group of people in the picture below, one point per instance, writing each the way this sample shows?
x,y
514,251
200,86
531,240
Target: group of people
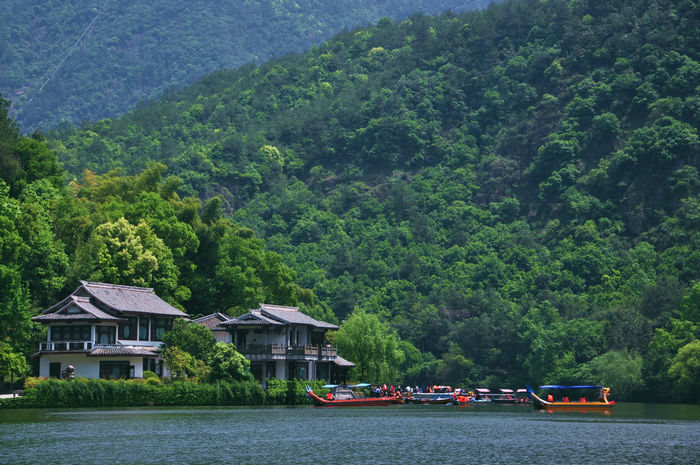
x,y
382,390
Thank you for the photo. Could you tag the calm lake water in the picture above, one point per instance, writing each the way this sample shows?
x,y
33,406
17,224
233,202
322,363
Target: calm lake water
x,y
402,434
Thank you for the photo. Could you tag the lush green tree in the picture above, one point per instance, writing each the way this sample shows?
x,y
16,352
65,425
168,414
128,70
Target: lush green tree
x,y
685,372
457,370
621,372
13,365
368,343
193,338
182,365
661,351
228,364
121,253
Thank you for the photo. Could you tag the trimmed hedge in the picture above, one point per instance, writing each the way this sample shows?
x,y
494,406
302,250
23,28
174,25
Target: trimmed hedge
x,y
292,392
84,392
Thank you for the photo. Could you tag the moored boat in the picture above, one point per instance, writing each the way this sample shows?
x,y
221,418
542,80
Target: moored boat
x,y
506,396
564,403
482,396
346,397
427,398
522,396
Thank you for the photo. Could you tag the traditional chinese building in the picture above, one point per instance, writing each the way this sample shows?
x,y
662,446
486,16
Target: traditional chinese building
x,y
282,342
106,331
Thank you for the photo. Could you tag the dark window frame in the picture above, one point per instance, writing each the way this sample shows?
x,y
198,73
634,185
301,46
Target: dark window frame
x,y
109,365
71,333
160,326
55,370
144,328
110,331
130,328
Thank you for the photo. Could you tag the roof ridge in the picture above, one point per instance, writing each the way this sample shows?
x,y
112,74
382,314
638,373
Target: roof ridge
x,y
117,286
278,307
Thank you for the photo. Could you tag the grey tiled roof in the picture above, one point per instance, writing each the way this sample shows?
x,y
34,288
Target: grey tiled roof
x,y
274,315
87,311
131,299
340,361
292,315
212,321
124,351
253,318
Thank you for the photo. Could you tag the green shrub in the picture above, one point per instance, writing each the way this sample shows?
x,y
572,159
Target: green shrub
x,y
83,392
292,392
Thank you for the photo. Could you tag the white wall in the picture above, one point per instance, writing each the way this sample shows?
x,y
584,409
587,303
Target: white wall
x,y
85,367
222,336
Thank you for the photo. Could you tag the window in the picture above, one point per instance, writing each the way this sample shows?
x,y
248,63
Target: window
x,y
55,369
143,328
300,371
159,326
149,364
70,333
128,330
115,369
106,334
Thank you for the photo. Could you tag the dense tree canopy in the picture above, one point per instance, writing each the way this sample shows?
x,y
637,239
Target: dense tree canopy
x,y
503,197
135,50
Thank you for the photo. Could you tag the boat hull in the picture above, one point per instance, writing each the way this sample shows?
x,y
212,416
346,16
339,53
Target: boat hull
x,y
542,404
441,401
364,402
573,405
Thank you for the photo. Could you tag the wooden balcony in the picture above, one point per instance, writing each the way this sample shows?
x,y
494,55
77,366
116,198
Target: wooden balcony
x,y
277,351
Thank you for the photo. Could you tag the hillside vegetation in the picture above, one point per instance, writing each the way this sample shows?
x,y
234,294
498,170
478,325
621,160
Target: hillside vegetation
x,y
137,49
501,197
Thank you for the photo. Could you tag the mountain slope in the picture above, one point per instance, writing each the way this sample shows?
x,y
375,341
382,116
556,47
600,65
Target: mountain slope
x,y
135,50
514,191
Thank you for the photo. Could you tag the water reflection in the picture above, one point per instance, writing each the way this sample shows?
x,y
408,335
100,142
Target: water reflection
x,y
630,433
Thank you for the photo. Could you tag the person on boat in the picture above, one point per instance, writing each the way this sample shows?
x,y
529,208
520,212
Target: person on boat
x,y
550,398
329,396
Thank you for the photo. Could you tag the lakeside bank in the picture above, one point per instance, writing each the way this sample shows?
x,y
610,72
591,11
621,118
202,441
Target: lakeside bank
x,y
86,392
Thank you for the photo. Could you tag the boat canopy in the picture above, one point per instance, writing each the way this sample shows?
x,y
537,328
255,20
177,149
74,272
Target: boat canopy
x,y
482,390
330,386
506,391
359,385
556,386
521,390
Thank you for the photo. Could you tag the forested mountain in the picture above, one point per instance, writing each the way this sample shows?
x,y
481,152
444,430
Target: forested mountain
x,y
134,50
506,196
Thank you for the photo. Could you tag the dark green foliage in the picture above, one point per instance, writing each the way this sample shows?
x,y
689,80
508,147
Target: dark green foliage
x,y
135,393
514,192
83,392
194,338
137,50
292,392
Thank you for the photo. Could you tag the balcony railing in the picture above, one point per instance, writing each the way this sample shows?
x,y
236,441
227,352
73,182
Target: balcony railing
x,y
280,351
328,351
65,346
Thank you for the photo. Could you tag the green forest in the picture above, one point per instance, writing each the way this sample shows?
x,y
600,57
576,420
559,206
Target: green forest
x,y
500,197
135,50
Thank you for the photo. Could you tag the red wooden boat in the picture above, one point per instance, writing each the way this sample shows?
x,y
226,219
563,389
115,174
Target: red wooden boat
x,y
602,403
348,398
